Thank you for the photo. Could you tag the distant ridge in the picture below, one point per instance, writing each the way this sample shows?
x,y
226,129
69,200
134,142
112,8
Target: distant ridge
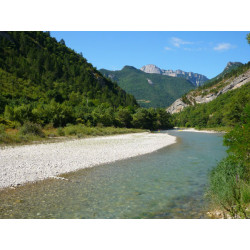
x,y
194,78
149,89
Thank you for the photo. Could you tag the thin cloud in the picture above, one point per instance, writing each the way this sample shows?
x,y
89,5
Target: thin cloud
x,y
223,46
194,49
177,42
197,45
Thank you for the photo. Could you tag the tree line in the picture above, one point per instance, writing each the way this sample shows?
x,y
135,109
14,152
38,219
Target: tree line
x,y
45,82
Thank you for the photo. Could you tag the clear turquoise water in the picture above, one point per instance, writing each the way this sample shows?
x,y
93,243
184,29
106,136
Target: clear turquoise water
x,y
169,183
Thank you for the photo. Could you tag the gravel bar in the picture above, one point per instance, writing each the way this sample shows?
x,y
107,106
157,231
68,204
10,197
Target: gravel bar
x,y
30,163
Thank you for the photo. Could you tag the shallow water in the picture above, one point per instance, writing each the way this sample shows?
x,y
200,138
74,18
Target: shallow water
x,y
169,183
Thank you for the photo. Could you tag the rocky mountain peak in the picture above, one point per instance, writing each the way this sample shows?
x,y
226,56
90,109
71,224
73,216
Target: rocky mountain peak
x,y
195,79
231,64
151,68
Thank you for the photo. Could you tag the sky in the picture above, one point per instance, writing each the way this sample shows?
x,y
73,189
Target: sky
x,y
205,52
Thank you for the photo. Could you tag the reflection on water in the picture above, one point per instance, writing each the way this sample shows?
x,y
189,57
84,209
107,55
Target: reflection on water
x,y
169,183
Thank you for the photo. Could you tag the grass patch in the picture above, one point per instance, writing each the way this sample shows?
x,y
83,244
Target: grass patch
x,y
30,133
230,187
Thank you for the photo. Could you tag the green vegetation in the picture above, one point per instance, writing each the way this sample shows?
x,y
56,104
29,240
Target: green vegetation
x,y
150,90
125,119
230,180
44,82
233,71
229,188
217,83
31,132
224,111
31,129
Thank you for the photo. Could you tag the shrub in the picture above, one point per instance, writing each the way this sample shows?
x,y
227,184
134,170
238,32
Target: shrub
x,y
60,132
30,128
49,126
7,123
70,130
229,187
2,129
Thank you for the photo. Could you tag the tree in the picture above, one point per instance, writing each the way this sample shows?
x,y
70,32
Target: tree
x,y
144,118
248,38
47,33
124,117
62,42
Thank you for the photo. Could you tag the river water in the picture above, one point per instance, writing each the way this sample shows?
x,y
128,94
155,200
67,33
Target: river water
x,y
169,183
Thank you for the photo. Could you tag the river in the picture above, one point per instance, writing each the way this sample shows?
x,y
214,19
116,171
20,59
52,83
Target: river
x,y
169,183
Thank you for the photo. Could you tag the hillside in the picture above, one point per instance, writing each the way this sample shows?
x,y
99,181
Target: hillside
x,y
229,67
150,90
46,85
209,92
224,111
194,78
43,81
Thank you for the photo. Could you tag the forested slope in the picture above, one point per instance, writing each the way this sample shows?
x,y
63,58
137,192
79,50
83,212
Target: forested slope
x,y
41,78
225,110
210,91
44,82
150,90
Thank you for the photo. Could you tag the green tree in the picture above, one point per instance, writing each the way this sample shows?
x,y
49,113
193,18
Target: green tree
x,y
248,38
62,42
124,117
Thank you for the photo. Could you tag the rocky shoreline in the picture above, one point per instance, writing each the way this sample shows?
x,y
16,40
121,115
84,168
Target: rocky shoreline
x,y
31,163
198,131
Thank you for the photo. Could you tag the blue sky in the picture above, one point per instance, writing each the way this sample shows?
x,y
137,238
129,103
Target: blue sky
x,y
205,52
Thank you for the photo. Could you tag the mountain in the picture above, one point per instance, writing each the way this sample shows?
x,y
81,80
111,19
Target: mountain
x,y
196,79
44,81
209,92
149,89
229,67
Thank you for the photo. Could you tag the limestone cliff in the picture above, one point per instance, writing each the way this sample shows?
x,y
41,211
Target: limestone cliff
x,y
194,78
209,94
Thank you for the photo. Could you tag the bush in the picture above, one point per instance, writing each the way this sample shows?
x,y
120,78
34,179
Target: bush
x,y
30,128
7,123
2,129
6,138
229,187
48,126
70,130
60,132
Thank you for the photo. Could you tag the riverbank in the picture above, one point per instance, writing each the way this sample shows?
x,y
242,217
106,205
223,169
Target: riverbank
x,y
34,134
37,162
210,131
198,131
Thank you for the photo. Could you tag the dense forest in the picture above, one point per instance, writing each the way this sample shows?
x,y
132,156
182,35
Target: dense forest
x,y
150,90
43,82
